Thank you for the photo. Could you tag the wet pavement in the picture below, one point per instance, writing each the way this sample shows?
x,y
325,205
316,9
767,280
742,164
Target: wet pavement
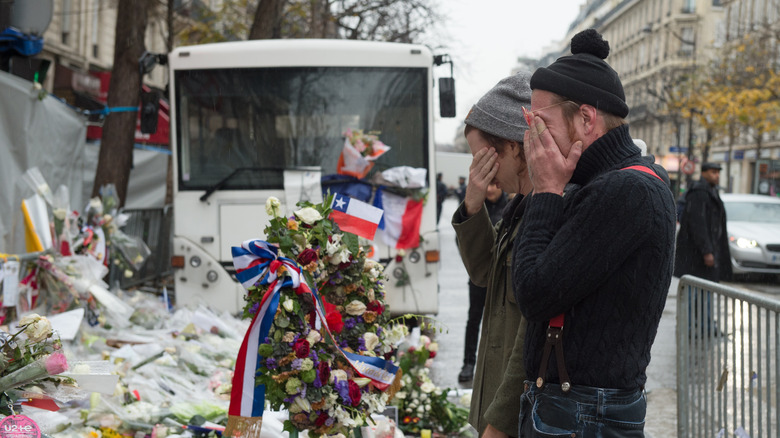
x,y
453,309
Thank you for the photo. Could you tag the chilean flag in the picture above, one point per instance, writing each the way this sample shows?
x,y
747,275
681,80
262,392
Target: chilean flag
x,y
400,226
355,216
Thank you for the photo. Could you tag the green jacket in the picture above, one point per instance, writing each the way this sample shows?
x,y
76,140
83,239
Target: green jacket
x,y
498,379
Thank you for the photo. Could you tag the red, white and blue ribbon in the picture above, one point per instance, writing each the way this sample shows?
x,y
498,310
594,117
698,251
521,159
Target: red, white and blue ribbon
x,y
257,262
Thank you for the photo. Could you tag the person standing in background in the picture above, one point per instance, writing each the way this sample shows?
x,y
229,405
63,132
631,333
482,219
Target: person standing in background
x,y
441,195
460,192
495,202
702,243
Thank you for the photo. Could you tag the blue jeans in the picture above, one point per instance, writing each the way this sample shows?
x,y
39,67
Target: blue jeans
x,y
582,412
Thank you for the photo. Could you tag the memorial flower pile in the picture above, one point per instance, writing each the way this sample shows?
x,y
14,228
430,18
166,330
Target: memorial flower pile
x,y
359,152
29,355
421,404
324,352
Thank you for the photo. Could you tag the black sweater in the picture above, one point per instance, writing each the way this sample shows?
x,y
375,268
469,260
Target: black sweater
x,y
602,254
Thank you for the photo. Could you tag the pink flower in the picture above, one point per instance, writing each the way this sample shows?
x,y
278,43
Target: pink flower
x,y
56,363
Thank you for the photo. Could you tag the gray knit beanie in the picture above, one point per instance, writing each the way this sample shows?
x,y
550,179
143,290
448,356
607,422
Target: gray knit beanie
x,y
499,112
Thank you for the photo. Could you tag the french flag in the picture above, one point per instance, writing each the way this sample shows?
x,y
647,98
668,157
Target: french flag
x,y
355,216
400,226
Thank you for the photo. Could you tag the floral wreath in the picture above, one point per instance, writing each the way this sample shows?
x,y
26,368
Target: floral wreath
x,y
319,324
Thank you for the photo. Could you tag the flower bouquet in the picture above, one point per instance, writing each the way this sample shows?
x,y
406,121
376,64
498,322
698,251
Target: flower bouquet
x,y
359,153
421,404
320,327
28,356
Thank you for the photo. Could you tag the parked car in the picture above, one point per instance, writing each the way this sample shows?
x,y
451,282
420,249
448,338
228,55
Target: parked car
x,y
753,225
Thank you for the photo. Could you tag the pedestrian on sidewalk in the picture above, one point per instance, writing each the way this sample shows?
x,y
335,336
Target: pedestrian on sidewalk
x,y
702,242
494,130
591,266
495,202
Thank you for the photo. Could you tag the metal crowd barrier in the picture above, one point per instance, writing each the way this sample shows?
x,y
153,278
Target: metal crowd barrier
x,y
728,361
153,225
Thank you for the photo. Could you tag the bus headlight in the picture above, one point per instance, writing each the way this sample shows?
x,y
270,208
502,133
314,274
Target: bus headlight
x,y
212,276
195,261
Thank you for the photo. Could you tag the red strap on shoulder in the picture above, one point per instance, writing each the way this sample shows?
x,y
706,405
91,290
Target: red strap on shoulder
x,y
643,169
557,321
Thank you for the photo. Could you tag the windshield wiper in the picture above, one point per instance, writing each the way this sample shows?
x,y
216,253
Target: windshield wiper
x,y
224,180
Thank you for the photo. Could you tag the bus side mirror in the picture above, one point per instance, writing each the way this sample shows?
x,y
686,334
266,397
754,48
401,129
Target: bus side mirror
x,y
150,106
447,97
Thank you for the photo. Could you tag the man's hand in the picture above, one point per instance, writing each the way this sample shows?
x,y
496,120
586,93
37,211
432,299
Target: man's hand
x,y
709,260
492,432
483,169
549,169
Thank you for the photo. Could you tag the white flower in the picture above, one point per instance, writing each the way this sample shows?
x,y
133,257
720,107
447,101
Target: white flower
x,y
96,204
427,387
288,305
339,375
272,206
433,346
361,381
342,417
313,337
60,213
340,257
301,403
38,327
396,334
29,319
334,245
424,340
372,340
401,395
308,215
355,308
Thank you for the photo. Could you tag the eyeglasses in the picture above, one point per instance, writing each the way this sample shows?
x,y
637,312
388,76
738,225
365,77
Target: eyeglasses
x,y
529,115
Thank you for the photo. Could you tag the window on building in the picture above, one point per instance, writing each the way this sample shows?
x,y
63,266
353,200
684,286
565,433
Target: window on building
x,y
689,6
687,42
66,15
95,26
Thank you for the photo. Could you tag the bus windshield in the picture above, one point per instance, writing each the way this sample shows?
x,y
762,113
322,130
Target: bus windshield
x,y
285,118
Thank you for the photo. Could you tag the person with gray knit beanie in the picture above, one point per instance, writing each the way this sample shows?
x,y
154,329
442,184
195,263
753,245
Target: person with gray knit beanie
x,y
591,267
495,128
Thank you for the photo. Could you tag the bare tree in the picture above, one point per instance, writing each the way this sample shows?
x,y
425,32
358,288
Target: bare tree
x,y
116,149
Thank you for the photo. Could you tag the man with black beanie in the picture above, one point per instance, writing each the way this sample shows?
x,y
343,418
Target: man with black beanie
x,y
591,269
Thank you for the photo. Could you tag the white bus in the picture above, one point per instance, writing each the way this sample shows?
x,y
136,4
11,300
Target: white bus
x,y
247,115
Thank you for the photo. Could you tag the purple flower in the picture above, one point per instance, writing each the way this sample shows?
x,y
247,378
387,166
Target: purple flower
x,y
254,308
350,323
270,363
342,387
296,364
330,421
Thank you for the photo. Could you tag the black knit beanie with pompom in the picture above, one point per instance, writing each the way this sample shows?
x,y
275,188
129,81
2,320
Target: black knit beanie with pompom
x,y
584,76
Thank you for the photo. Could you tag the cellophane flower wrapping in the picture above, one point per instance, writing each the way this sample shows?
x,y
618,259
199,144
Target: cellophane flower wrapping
x,y
301,368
